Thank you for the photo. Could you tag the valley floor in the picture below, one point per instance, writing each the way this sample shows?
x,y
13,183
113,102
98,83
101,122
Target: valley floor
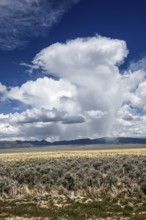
x,y
68,184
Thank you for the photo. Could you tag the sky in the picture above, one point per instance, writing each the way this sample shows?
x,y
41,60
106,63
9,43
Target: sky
x,y
72,69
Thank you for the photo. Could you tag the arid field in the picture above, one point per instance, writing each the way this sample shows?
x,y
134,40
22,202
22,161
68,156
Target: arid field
x,y
80,183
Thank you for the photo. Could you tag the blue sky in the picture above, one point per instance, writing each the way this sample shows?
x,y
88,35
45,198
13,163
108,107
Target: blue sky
x,y
72,69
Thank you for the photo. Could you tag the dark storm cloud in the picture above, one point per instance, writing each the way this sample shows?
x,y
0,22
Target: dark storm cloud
x,y
74,120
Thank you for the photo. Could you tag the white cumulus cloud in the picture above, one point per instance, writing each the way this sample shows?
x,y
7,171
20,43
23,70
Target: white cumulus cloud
x,y
87,95
43,92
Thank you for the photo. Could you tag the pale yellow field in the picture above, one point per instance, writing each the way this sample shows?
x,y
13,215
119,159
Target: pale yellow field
x,y
14,156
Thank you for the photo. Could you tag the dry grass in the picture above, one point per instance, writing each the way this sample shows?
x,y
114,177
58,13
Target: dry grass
x,y
68,184
84,152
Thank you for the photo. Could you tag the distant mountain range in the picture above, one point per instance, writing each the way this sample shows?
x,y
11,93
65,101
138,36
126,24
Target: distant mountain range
x,y
98,141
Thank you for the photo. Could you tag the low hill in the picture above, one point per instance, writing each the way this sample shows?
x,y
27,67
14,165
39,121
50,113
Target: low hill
x,y
100,141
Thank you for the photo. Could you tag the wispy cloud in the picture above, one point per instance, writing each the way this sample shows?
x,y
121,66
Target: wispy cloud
x,y
20,21
138,64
